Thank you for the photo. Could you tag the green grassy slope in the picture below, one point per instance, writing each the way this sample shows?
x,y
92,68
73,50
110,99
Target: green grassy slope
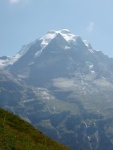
x,y
16,134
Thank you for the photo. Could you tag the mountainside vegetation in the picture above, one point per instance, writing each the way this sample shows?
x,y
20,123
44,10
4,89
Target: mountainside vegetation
x,y
17,134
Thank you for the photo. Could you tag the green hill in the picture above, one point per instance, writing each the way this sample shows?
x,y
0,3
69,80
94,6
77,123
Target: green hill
x,y
17,134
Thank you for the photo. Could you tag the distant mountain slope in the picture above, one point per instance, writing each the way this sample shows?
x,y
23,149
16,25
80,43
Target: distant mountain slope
x,y
16,134
64,87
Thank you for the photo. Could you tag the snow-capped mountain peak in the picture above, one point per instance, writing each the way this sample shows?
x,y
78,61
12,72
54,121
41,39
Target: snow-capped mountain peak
x,y
36,48
47,38
66,34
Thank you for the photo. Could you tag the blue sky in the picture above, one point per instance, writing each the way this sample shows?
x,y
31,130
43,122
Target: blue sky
x,y
23,21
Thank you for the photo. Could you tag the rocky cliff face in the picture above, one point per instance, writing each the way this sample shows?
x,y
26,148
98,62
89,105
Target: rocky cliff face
x,y
64,87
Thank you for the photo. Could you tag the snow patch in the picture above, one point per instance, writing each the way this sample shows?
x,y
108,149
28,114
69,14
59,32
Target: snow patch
x,y
47,38
91,51
66,34
12,60
71,38
21,52
67,47
38,53
91,66
92,71
88,45
4,62
31,63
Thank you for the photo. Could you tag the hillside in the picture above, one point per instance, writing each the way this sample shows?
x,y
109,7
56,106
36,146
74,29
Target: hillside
x,y
16,134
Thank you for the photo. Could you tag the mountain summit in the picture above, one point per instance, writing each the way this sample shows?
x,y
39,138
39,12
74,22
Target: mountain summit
x,y
65,33
59,54
45,40
64,87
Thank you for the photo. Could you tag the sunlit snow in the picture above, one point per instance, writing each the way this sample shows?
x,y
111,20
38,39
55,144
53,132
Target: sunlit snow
x,y
66,34
88,45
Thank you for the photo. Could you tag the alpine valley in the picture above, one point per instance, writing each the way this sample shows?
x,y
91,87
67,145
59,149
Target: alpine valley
x,y
63,87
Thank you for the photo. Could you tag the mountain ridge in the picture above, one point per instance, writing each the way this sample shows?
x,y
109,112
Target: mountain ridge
x,y
46,39
64,88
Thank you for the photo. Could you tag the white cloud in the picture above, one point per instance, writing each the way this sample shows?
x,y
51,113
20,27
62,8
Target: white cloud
x,y
90,27
14,1
17,1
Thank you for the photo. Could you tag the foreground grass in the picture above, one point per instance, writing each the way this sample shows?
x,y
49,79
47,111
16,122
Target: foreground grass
x,y
16,134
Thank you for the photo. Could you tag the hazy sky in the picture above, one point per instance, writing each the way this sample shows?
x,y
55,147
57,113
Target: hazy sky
x,y
23,21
